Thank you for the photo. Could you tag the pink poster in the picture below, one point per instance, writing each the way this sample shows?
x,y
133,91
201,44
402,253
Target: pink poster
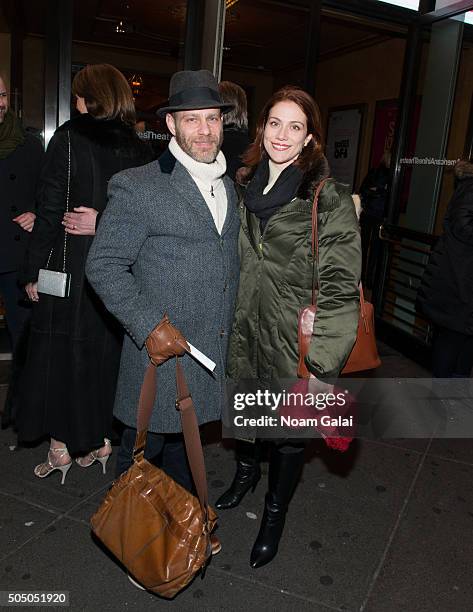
x,y
383,130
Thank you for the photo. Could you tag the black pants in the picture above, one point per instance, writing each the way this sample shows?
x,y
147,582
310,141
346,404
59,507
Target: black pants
x,y
167,451
452,355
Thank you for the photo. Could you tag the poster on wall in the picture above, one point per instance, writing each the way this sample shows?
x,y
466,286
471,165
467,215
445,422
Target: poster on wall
x,y
343,139
383,130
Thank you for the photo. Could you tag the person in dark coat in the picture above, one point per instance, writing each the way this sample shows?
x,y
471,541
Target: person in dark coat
x,y
445,294
235,126
67,386
176,255
374,193
21,154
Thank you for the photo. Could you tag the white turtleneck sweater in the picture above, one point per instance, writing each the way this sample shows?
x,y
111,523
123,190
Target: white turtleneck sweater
x,y
208,178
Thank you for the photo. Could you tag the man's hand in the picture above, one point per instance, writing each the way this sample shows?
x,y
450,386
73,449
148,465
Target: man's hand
x,y
81,222
32,291
26,221
164,342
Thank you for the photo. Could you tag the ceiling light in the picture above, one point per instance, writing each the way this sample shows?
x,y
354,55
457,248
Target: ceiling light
x,y
120,27
136,84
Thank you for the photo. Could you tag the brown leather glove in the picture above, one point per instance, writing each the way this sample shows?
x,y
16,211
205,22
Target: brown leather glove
x,y
164,342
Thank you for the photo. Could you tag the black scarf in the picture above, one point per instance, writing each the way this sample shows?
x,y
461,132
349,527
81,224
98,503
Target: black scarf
x,y
283,191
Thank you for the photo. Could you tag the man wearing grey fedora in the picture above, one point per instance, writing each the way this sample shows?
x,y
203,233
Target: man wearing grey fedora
x,y
167,243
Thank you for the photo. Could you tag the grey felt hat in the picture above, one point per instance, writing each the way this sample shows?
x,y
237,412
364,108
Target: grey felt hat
x,y
192,90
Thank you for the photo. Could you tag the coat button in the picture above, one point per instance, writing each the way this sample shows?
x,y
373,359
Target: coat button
x,y
14,208
17,237
12,177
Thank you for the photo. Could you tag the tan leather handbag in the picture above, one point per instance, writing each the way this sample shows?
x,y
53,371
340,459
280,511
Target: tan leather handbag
x,y
155,527
364,354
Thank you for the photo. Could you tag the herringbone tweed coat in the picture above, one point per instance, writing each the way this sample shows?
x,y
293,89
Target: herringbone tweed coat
x,y
158,251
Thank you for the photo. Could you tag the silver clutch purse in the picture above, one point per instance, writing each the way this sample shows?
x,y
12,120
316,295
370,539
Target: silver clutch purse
x,y
50,281
54,283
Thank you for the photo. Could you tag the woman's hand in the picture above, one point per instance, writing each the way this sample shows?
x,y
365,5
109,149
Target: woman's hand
x,y
26,221
32,291
81,222
318,386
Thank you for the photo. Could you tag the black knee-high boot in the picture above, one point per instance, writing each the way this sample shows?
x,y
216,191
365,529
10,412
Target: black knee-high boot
x,y
247,475
285,467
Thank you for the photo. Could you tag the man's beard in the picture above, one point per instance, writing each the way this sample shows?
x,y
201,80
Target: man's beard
x,y
207,157
3,112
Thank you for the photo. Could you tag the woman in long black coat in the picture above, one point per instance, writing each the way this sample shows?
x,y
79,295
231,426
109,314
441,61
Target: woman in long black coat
x,y
67,387
446,291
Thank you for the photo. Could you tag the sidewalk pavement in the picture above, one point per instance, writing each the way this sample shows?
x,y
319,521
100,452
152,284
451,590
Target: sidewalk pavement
x,y
386,527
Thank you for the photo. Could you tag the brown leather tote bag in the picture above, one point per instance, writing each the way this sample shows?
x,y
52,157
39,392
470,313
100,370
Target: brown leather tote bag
x,y
155,527
364,354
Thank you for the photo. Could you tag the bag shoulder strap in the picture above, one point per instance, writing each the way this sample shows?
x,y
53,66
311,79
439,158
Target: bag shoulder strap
x,y
315,234
68,195
315,253
190,426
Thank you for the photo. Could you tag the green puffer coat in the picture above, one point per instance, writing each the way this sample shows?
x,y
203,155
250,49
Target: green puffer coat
x,y
276,282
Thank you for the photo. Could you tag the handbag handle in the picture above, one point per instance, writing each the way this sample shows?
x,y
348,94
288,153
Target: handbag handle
x,y
190,427
315,235
68,193
315,255
363,313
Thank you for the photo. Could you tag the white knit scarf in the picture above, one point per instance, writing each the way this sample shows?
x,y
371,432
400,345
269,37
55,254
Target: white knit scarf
x,y
208,178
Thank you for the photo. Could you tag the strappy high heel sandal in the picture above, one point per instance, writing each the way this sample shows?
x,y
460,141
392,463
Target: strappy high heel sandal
x,y
44,469
101,455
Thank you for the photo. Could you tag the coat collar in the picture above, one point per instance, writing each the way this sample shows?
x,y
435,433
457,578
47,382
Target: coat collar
x,y
167,161
310,180
111,134
306,192
182,181
232,205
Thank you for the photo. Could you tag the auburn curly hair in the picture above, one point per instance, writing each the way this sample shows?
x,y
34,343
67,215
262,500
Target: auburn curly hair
x,y
311,154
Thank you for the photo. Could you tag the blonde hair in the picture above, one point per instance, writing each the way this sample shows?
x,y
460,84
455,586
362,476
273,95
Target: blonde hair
x,y
106,92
